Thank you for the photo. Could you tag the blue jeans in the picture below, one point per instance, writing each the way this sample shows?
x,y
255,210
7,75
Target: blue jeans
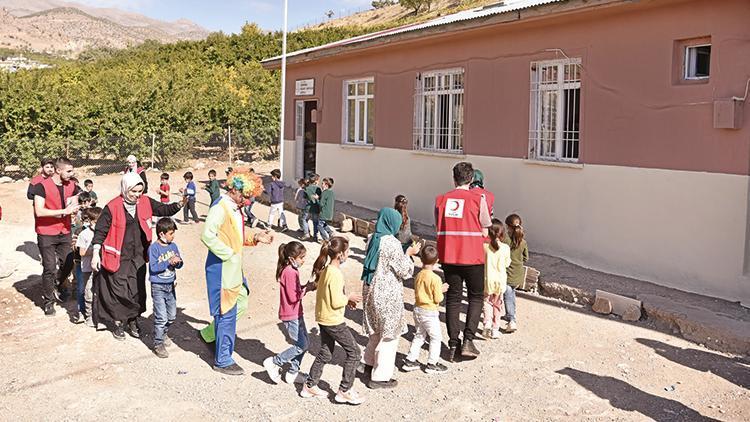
x,y
80,288
325,230
315,224
298,333
165,309
302,217
509,298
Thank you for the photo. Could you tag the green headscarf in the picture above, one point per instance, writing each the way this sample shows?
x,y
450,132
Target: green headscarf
x,y
389,222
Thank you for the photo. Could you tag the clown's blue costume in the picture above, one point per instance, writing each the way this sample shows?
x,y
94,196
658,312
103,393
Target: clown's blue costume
x,y
224,235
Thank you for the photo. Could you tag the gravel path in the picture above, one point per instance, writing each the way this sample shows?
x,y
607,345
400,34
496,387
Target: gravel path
x,y
563,363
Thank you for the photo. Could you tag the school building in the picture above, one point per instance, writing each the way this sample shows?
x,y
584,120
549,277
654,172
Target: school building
x,y
617,129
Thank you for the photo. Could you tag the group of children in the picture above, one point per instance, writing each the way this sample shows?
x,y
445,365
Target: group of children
x,y
506,253
315,200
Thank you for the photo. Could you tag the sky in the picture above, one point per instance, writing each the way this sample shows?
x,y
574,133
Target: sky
x,y
230,15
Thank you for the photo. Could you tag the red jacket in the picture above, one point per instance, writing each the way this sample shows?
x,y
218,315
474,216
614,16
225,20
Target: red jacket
x,y
52,226
112,247
460,240
489,198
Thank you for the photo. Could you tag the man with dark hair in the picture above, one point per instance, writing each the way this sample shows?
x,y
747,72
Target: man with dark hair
x,y
55,200
461,218
47,170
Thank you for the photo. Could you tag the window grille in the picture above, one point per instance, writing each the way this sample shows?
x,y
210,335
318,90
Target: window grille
x,y
439,111
554,124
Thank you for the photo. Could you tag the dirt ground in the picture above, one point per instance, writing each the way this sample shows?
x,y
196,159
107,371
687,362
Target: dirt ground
x,y
564,363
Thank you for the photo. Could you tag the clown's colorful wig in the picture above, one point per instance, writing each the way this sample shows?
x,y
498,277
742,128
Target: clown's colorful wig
x,y
246,182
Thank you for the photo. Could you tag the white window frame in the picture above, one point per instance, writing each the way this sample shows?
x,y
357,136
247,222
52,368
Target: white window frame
x,y
547,131
360,101
428,138
687,63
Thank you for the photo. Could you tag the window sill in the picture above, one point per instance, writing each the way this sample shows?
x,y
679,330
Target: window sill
x,y
562,164
439,154
358,146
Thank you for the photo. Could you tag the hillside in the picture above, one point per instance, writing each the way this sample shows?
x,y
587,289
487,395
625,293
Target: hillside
x,y
65,28
396,15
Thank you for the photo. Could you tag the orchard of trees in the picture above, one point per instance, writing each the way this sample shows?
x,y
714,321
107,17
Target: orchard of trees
x,y
108,104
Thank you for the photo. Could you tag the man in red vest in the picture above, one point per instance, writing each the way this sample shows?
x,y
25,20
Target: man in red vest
x,y
461,218
55,200
48,169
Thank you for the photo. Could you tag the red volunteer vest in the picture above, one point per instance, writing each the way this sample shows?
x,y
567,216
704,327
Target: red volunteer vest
x,y
52,226
112,247
489,198
459,232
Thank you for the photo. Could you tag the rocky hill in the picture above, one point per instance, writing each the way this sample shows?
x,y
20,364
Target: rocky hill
x,y
64,28
396,14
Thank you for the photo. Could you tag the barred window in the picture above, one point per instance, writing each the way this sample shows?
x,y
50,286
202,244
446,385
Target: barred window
x,y
554,124
439,111
359,112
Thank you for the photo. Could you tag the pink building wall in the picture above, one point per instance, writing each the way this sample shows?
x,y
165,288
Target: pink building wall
x,y
632,114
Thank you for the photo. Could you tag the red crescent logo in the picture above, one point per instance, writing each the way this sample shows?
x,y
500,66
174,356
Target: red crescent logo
x,y
456,206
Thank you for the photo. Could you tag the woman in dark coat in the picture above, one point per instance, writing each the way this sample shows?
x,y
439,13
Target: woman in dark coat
x,y
121,241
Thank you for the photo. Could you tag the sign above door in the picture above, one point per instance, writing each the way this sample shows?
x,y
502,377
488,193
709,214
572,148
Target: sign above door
x,y
304,87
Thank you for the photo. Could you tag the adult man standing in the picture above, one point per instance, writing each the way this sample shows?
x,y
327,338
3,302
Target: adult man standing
x,y
48,169
461,218
224,235
54,202
132,167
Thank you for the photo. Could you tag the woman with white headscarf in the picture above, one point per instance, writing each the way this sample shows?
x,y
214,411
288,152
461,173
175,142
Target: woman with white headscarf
x,y
121,240
133,167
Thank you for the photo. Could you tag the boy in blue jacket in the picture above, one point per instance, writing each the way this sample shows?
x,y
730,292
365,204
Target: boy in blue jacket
x,y
275,191
164,259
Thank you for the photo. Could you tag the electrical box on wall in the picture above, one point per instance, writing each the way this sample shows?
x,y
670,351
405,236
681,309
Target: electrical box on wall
x,y
728,114
314,116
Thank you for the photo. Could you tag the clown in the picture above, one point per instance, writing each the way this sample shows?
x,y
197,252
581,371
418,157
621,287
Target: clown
x,y
224,235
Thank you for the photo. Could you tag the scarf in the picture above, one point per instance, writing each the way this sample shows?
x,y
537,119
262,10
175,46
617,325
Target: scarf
x,y
128,182
389,222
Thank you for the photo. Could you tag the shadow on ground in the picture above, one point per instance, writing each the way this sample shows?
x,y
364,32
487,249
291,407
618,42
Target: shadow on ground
x,y
628,398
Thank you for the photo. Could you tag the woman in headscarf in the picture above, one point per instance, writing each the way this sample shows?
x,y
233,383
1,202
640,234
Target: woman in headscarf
x,y
121,240
385,269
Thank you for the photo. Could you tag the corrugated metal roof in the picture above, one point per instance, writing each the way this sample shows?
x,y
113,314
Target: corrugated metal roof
x,y
496,9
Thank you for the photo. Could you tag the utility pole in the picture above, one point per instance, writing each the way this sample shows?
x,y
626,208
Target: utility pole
x,y
153,142
230,146
283,90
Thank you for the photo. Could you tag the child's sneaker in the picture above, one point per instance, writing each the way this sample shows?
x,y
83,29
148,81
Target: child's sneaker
x,y
310,392
436,368
167,341
350,397
495,334
273,370
90,322
409,365
511,327
295,377
487,333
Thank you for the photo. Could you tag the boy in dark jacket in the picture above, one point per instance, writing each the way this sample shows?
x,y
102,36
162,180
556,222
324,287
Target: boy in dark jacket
x,y
313,204
327,200
275,192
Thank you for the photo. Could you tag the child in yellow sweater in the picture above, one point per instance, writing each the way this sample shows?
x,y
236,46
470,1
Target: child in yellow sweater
x,y
428,293
330,303
497,260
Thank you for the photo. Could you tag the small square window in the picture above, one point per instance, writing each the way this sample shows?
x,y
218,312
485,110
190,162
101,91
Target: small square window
x,y
698,61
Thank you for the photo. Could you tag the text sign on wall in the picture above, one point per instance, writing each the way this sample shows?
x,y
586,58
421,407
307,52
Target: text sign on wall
x,y
305,87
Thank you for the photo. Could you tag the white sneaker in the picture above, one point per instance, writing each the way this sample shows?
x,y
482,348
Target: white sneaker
x,y
495,334
350,397
273,370
310,392
295,377
511,327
